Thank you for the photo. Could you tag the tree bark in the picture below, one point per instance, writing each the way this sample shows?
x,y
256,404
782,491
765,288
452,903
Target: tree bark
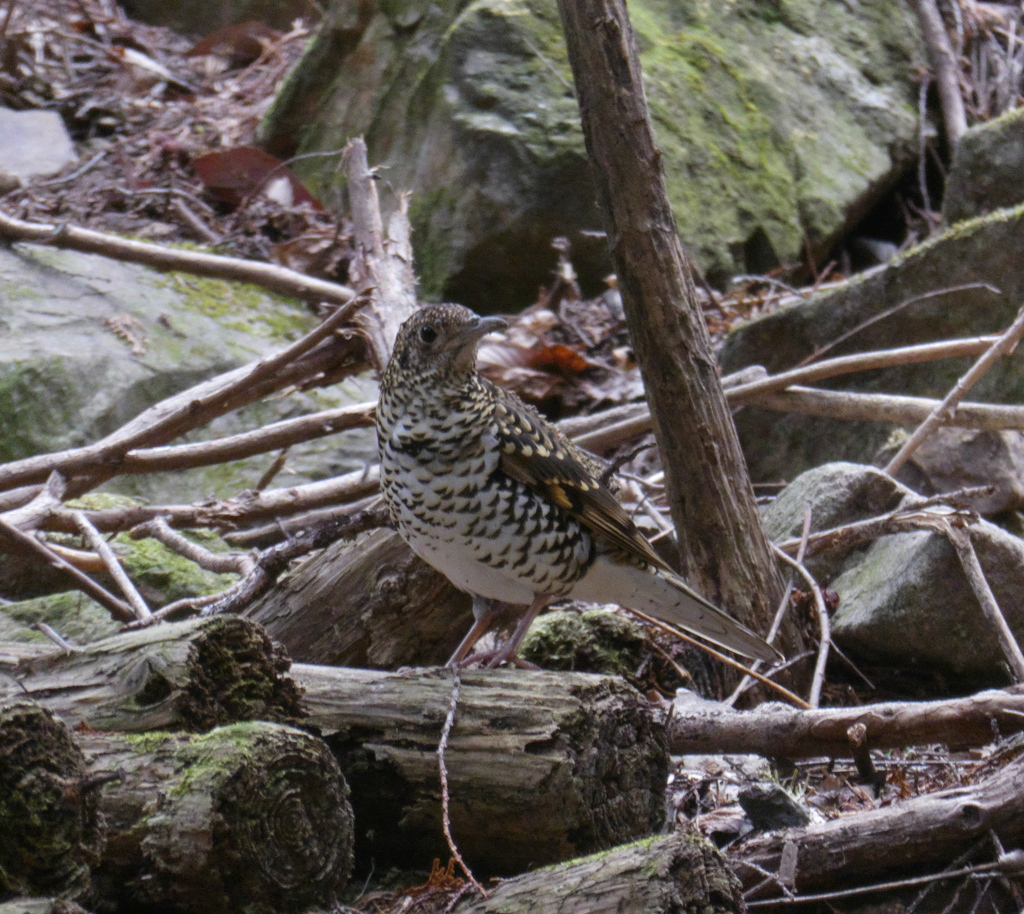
x,y
368,603
542,766
176,676
926,831
725,553
658,876
252,816
49,825
775,731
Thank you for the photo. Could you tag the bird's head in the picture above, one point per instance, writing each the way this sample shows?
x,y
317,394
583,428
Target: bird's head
x,y
440,340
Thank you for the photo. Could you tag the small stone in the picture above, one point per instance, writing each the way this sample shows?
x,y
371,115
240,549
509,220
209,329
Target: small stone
x,y
33,144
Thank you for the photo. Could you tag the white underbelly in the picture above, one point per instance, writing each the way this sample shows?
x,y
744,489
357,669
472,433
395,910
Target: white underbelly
x,y
468,574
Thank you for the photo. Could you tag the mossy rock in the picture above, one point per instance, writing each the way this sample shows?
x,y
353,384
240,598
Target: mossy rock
x,y
71,614
591,641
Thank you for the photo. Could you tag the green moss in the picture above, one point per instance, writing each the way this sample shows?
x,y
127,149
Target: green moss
x,y
241,306
34,396
150,564
72,615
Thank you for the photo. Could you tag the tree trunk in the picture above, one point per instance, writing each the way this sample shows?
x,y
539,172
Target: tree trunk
x,y
659,876
49,827
725,553
368,603
542,766
251,816
176,676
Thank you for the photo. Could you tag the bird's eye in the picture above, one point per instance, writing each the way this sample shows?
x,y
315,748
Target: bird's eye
x,y
428,334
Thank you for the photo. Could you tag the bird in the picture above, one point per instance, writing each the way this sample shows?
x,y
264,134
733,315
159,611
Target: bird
x,y
493,496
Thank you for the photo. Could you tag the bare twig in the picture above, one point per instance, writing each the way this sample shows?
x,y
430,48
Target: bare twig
x,y
1006,343
888,312
718,655
219,563
31,546
825,627
961,541
113,564
947,69
276,279
446,824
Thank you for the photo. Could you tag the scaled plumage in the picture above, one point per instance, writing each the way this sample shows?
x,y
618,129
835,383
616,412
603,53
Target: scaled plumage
x,y
490,494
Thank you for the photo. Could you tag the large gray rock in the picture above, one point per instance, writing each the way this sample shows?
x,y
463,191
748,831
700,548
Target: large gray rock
x,y
778,122
982,251
87,343
987,169
907,602
33,143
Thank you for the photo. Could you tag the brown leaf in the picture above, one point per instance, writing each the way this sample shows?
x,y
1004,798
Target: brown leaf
x,y
235,174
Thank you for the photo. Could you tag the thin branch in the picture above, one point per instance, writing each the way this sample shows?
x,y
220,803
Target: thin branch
x,y
946,67
31,546
824,626
961,541
279,280
443,771
113,565
1006,343
219,563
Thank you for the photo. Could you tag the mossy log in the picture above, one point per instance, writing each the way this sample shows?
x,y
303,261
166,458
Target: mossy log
x,y
175,676
41,906
658,876
542,767
368,603
49,826
251,816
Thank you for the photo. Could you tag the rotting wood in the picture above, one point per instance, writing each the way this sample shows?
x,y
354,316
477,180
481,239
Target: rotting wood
x,y
181,676
368,603
664,875
252,816
926,831
542,766
49,824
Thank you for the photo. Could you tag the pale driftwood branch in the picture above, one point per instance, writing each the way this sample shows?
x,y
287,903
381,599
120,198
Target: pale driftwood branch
x,y
219,563
276,279
861,361
231,512
113,565
824,626
775,731
931,830
961,540
900,410
903,518
383,264
1006,343
947,69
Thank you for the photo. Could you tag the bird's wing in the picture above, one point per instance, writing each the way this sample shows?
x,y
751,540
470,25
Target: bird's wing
x,y
538,456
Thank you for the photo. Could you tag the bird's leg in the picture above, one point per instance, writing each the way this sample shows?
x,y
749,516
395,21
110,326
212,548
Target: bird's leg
x,y
509,648
484,611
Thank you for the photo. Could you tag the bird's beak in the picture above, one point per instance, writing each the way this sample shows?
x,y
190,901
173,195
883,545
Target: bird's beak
x,y
463,343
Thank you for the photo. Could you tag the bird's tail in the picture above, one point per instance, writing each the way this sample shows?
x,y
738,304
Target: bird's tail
x,y
667,597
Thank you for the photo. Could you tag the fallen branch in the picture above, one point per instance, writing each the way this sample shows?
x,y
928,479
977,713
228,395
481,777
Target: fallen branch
x,y
279,280
947,69
1004,345
925,831
775,731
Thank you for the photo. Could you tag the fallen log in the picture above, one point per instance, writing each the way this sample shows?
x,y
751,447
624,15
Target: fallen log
x,y
925,832
251,816
542,766
778,731
176,676
49,826
369,603
679,872
41,906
